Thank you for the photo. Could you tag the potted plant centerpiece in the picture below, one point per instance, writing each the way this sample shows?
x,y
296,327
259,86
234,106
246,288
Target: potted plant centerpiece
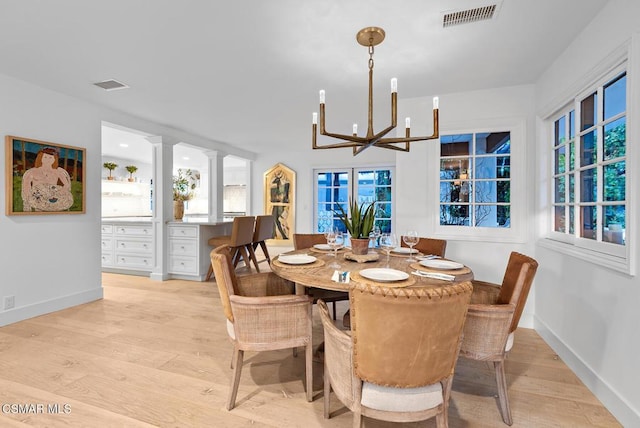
x,y
110,166
359,225
183,186
131,169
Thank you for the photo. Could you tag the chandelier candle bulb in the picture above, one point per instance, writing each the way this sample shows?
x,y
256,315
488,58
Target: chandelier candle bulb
x,y
322,96
407,122
436,101
394,85
314,120
355,128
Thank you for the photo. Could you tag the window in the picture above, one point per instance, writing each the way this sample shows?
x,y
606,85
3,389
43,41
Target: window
x,y
589,169
333,187
475,180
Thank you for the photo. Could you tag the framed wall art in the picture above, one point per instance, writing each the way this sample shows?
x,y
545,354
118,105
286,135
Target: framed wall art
x,y
279,198
43,177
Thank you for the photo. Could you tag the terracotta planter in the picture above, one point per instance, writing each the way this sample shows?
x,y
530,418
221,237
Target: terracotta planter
x,y
360,246
178,210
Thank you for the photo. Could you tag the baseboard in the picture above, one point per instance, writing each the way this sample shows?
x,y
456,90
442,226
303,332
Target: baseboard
x,y
616,404
22,313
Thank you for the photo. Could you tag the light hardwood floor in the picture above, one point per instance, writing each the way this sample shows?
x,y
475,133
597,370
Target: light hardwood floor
x,y
156,354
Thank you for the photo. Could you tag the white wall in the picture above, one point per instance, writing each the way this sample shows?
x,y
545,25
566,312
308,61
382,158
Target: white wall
x,y
587,312
51,262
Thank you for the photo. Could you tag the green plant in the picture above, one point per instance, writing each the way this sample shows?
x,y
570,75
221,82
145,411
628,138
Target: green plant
x,y
183,185
110,166
360,224
131,169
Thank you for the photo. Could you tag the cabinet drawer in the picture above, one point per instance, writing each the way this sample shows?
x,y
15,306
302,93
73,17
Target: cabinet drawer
x,y
106,244
107,259
133,261
183,247
132,246
134,230
107,228
183,265
183,231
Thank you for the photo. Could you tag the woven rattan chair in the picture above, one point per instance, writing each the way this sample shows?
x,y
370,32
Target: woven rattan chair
x,y
308,240
398,363
262,315
433,246
264,230
239,241
493,317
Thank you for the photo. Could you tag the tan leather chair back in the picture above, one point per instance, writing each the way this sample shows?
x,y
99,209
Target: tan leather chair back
x,y
516,283
226,279
429,246
264,228
307,240
242,231
407,337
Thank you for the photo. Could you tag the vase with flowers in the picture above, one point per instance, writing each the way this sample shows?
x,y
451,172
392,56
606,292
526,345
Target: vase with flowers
x,y
184,185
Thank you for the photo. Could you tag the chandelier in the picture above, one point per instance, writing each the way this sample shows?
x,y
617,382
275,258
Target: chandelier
x,y
370,37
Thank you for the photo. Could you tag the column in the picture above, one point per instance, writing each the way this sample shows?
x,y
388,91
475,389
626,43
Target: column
x,y
162,201
216,184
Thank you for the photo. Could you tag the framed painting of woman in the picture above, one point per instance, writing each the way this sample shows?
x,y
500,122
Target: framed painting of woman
x,y
43,177
279,199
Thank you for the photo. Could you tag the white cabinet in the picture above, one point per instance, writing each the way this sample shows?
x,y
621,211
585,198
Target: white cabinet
x,y
127,246
183,249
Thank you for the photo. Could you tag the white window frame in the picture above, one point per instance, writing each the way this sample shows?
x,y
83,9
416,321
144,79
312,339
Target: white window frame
x,y
613,256
353,187
519,201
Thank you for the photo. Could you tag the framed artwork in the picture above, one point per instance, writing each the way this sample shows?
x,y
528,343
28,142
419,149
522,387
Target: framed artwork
x,y
43,177
279,200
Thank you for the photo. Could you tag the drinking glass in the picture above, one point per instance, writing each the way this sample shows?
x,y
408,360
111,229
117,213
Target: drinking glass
x,y
375,236
388,242
411,238
336,243
330,235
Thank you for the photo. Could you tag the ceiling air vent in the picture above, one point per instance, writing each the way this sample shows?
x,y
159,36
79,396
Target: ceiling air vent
x,y
467,16
111,85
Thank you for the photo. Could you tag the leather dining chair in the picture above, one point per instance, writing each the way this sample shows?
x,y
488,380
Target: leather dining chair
x,y
398,363
437,247
308,240
493,317
264,230
239,241
262,314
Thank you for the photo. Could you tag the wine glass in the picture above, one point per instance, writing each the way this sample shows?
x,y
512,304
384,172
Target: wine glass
x,y
375,236
411,238
336,243
388,242
330,235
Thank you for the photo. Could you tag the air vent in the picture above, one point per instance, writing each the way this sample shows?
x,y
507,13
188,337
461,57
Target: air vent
x,y
467,16
111,85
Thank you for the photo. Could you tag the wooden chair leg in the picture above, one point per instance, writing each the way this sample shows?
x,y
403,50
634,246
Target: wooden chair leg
x,y
503,398
326,391
245,257
252,256
263,245
334,310
309,370
357,420
209,272
235,380
234,356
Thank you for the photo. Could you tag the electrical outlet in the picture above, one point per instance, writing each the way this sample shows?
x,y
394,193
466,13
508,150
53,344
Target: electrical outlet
x,y
9,302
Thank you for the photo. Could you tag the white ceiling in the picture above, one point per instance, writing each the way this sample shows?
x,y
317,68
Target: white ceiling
x,y
247,72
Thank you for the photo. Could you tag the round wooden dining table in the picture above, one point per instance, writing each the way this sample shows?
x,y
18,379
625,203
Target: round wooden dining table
x,y
320,274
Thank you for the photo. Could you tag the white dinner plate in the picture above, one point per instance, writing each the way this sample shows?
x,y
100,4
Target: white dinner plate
x,y
383,275
324,247
404,250
441,264
297,259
